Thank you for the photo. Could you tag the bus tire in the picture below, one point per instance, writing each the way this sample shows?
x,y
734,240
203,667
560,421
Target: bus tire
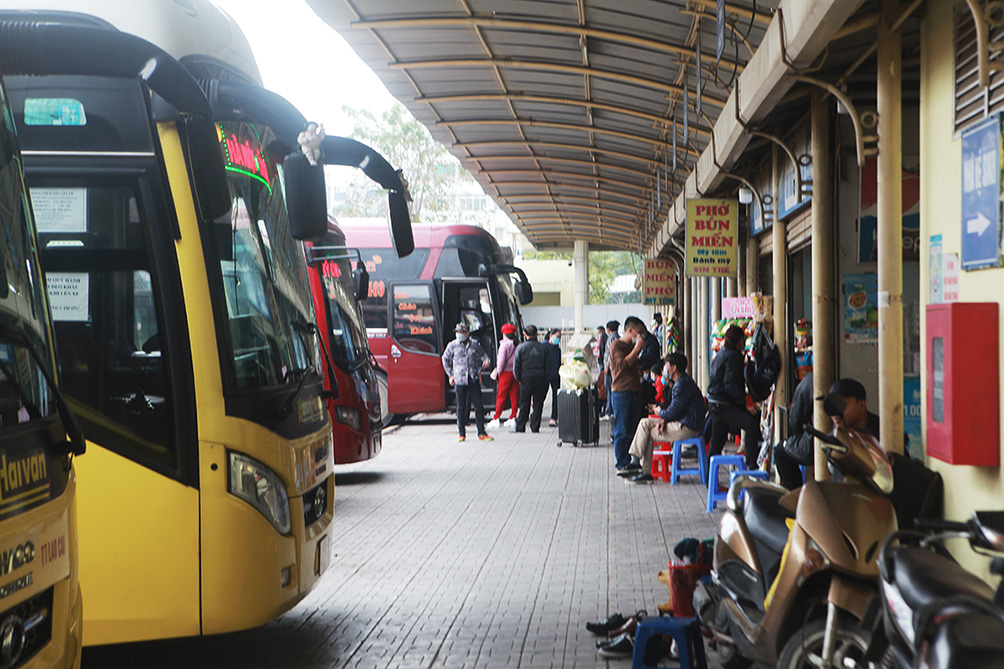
x,y
386,418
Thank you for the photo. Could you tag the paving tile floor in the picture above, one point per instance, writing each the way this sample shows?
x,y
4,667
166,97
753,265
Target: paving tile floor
x,y
468,554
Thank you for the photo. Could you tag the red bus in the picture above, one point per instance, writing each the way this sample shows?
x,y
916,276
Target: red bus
x,y
457,273
351,381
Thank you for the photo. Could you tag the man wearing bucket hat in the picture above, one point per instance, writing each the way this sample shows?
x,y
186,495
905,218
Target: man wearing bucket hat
x,y
463,361
508,389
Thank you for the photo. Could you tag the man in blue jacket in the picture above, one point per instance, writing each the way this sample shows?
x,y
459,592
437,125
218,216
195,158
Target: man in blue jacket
x,y
682,419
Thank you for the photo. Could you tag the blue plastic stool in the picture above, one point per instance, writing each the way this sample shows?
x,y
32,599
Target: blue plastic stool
x,y
755,473
717,462
685,631
702,460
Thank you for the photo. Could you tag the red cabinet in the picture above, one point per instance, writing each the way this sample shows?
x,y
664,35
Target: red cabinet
x,y
963,396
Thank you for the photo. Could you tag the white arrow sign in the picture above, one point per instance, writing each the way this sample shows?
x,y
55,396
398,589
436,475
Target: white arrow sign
x,y
978,225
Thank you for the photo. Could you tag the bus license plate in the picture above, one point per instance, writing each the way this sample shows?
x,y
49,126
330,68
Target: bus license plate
x,y
323,554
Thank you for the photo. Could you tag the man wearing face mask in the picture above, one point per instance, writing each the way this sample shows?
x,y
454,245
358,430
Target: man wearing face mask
x,y
626,385
682,419
463,361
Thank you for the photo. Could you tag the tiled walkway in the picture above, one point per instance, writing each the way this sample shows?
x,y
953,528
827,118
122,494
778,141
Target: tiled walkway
x,y
466,555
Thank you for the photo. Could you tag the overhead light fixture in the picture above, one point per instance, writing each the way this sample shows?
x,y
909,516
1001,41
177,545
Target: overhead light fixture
x,y
745,195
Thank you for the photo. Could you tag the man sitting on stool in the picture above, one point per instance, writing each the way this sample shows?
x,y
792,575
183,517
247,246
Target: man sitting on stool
x,y
682,419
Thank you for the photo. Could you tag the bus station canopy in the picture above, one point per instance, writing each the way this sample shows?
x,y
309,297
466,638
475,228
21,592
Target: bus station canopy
x,y
582,118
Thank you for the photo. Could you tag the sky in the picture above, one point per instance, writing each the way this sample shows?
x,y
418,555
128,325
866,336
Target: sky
x,y
304,60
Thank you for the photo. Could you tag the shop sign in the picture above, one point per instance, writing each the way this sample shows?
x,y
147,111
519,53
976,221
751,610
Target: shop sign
x,y
981,192
861,308
950,274
868,217
712,237
659,286
934,270
738,307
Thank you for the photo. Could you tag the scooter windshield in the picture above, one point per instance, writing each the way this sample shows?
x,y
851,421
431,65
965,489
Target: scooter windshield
x,y
882,478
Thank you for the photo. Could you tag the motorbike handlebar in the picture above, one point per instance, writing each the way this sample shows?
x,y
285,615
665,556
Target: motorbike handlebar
x,y
828,439
932,525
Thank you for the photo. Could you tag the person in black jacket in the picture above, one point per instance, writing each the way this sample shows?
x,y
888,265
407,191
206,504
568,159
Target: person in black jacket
x,y
530,369
798,448
727,398
553,367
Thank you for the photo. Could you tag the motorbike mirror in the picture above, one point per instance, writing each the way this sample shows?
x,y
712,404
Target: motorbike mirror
x,y
400,224
829,439
990,528
361,281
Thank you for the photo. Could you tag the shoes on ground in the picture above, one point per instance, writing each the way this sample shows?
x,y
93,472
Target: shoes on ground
x,y
485,437
621,646
552,423
605,417
461,438
494,423
642,478
629,627
611,623
630,470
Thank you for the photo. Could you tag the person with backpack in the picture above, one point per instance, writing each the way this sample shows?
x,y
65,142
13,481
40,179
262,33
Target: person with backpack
x,y
727,398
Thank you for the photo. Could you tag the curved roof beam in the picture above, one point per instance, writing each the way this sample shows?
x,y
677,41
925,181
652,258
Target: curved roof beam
x,y
545,184
539,26
549,174
571,147
641,139
568,201
550,67
567,161
565,228
629,228
568,211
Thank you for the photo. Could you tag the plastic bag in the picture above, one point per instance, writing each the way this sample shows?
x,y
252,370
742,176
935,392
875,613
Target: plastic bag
x,y
574,375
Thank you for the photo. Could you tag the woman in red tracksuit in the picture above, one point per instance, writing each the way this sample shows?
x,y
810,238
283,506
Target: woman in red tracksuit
x,y
508,387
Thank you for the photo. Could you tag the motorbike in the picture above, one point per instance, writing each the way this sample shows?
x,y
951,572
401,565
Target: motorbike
x,y
934,613
796,571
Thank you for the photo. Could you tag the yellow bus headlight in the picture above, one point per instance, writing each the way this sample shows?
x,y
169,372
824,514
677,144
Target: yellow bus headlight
x,y
262,488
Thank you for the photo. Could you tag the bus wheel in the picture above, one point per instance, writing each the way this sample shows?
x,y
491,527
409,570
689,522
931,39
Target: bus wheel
x,y
385,416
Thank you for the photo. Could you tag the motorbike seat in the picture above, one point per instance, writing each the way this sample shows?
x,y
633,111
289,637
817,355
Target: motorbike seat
x,y
925,578
765,518
972,640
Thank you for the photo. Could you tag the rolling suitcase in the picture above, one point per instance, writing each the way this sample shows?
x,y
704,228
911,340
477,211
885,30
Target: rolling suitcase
x,y
579,417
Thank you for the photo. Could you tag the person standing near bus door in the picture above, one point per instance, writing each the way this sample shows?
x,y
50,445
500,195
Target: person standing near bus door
x,y
463,361
553,371
508,389
530,369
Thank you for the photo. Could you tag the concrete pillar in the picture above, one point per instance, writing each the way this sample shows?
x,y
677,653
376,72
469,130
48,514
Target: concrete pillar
x,y
732,286
823,299
780,259
890,230
580,261
752,266
740,280
716,299
695,367
702,329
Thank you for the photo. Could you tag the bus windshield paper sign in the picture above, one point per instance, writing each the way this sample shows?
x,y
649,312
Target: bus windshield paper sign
x,y
712,235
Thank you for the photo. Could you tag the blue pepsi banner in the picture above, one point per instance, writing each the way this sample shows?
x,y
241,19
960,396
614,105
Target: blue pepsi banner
x,y
981,193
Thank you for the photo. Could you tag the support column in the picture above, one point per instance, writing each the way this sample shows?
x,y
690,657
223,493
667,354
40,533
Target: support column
x,y
740,280
695,318
780,259
702,329
580,263
752,266
823,300
731,286
683,317
716,299
890,230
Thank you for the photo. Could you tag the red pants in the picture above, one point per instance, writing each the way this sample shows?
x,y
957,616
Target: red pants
x,y
508,390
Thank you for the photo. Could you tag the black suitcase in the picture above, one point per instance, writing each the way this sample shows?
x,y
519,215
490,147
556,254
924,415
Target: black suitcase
x,y
579,417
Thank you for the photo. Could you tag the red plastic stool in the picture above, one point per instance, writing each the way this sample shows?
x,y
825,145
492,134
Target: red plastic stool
x,y
662,465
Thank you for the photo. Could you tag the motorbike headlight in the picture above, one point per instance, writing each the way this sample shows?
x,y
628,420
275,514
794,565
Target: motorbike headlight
x,y
262,488
347,416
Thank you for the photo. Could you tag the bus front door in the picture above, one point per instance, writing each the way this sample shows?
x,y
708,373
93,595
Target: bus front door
x,y
469,301
415,378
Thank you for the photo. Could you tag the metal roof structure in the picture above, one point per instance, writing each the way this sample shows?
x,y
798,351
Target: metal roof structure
x,y
570,113
582,118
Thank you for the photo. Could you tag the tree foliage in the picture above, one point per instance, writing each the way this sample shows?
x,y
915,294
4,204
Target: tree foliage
x,y
604,267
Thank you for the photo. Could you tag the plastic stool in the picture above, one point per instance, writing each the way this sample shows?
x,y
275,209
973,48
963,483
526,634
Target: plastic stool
x,y
662,462
755,473
717,462
702,460
685,631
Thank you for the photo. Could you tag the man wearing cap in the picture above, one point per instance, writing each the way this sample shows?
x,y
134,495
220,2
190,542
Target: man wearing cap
x,y
508,389
463,361
529,367
847,404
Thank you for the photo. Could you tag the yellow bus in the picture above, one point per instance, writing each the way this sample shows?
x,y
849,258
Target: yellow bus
x,y
182,328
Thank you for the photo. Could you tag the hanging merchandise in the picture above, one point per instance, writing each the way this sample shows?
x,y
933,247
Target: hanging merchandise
x,y
674,336
763,370
803,347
